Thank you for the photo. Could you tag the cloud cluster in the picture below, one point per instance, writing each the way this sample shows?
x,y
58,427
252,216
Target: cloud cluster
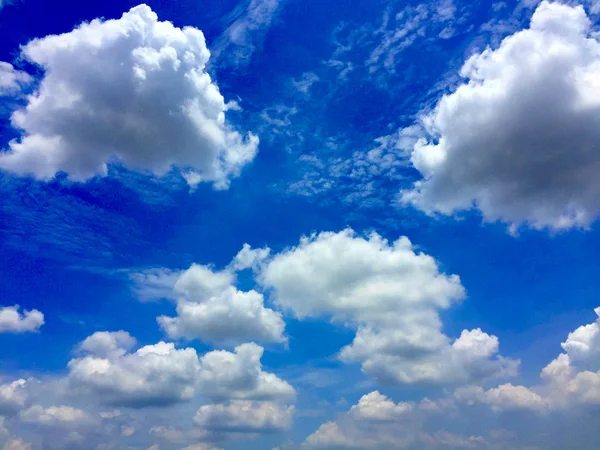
x,y
209,306
518,140
571,380
133,90
392,295
161,375
535,417
12,397
12,321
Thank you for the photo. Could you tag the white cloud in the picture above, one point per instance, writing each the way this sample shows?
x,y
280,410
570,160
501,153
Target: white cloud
x,y
245,34
17,444
104,344
154,284
56,416
393,296
161,375
349,276
239,375
133,89
154,375
245,417
304,83
250,258
571,380
209,307
529,109
11,79
376,406
12,397
505,397
375,422
202,446
11,321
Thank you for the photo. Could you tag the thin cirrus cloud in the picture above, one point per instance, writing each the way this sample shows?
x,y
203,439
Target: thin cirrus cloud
x,y
518,140
136,91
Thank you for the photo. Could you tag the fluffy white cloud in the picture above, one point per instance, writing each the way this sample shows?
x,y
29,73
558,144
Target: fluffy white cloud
x,y
56,416
210,308
11,321
345,275
376,406
569,381
245,417
239,375
375,422
231,316
156,374
518,140
161,375
574,376
250,258
505,397
104,344
134,90
393,295
12,397
11,79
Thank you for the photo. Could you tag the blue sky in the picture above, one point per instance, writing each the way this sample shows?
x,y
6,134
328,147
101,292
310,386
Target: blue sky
x,y
299,225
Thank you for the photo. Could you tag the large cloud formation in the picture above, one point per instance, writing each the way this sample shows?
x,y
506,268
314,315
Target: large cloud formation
x,y
559,412
133,90
520,139
393,296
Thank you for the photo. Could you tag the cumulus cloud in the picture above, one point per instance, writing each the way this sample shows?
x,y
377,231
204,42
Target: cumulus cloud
x,y
154,375
134,90
506,397
376,406
11,321
375,422
11,79
571,380
239,375
245,417
392,295
250,258
12,397
56,416
104,344
518,140
161,375
209,307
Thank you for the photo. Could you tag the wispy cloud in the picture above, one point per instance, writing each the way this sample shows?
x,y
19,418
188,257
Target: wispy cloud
x,y
247,26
